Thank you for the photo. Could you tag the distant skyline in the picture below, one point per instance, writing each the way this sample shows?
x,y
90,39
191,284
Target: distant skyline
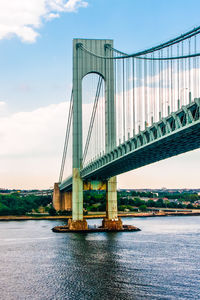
x,y
36,73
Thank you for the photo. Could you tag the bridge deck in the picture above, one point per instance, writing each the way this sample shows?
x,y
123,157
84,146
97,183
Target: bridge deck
x,y
176,134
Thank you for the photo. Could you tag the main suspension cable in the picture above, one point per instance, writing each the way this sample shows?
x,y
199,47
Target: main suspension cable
x,y
69,122
92,118
138,55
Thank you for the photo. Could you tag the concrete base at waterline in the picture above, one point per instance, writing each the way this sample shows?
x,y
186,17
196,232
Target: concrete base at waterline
x,y
77,225
113,225
82,227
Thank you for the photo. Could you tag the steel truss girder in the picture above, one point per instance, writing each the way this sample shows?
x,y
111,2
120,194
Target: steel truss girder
x,y
175,134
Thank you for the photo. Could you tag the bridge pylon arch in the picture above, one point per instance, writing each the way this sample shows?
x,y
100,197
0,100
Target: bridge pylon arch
x,y
83,64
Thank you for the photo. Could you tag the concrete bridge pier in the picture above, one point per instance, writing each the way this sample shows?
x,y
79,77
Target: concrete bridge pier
x,y
66,199
61,200
77,222
111,221
57,200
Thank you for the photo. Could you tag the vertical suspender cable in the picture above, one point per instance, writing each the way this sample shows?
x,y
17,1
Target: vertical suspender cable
x,y
185,83
182,77
178,70
140,94
123,93
165,89
154,90
151,63
159,84
133,97
195,67
171,83
128,95
189,71
168,84
115,91
145,93
120,124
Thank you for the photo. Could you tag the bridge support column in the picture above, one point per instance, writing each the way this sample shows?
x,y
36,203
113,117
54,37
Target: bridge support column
x,y
67,201
57,200
112,222
77,222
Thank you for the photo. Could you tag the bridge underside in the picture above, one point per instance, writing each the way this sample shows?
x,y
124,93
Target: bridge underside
x,y
177,143
176,134
181,141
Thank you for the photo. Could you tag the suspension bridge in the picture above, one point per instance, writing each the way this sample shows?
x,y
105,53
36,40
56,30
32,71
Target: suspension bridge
x,y
126,111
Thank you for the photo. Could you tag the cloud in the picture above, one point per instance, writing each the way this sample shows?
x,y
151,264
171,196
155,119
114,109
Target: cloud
x,y
2,104
32,145
23,18
2,108
28,133
52,16
38,132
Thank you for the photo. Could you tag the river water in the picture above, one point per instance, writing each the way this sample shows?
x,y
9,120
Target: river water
x,y
160,262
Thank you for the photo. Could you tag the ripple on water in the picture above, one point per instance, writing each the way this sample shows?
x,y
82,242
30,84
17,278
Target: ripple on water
x,y
160,262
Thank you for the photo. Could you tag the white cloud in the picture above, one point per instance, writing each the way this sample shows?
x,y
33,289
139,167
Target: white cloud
x,y
73,5
28,133
52,16
32,145
2,108
2,104
22,18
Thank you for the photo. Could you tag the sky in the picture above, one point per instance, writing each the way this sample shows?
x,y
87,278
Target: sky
x,y
36,80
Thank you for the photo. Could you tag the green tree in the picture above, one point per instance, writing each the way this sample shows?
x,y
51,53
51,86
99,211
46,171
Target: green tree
x,y
52,211
142,207
190,206
151,203
138,202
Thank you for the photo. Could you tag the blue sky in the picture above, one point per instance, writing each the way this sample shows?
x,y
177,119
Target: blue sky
x,y
36,71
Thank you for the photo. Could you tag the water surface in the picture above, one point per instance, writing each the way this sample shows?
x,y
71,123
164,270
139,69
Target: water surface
x,y
160,262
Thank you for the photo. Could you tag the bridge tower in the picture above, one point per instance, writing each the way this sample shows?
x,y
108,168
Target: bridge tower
x,y
83,64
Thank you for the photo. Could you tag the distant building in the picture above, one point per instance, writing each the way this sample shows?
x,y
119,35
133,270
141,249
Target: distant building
x,y
186,202
165,199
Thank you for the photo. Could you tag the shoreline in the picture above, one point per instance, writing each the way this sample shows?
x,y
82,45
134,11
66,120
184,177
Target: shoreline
x,y
100,216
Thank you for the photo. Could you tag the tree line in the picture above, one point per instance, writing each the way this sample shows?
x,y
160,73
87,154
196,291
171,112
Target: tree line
x,y
16,204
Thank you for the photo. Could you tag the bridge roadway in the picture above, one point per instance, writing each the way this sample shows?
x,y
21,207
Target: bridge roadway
x,y
173,135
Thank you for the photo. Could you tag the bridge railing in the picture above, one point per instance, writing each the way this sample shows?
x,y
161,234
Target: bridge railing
x,y
184,118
